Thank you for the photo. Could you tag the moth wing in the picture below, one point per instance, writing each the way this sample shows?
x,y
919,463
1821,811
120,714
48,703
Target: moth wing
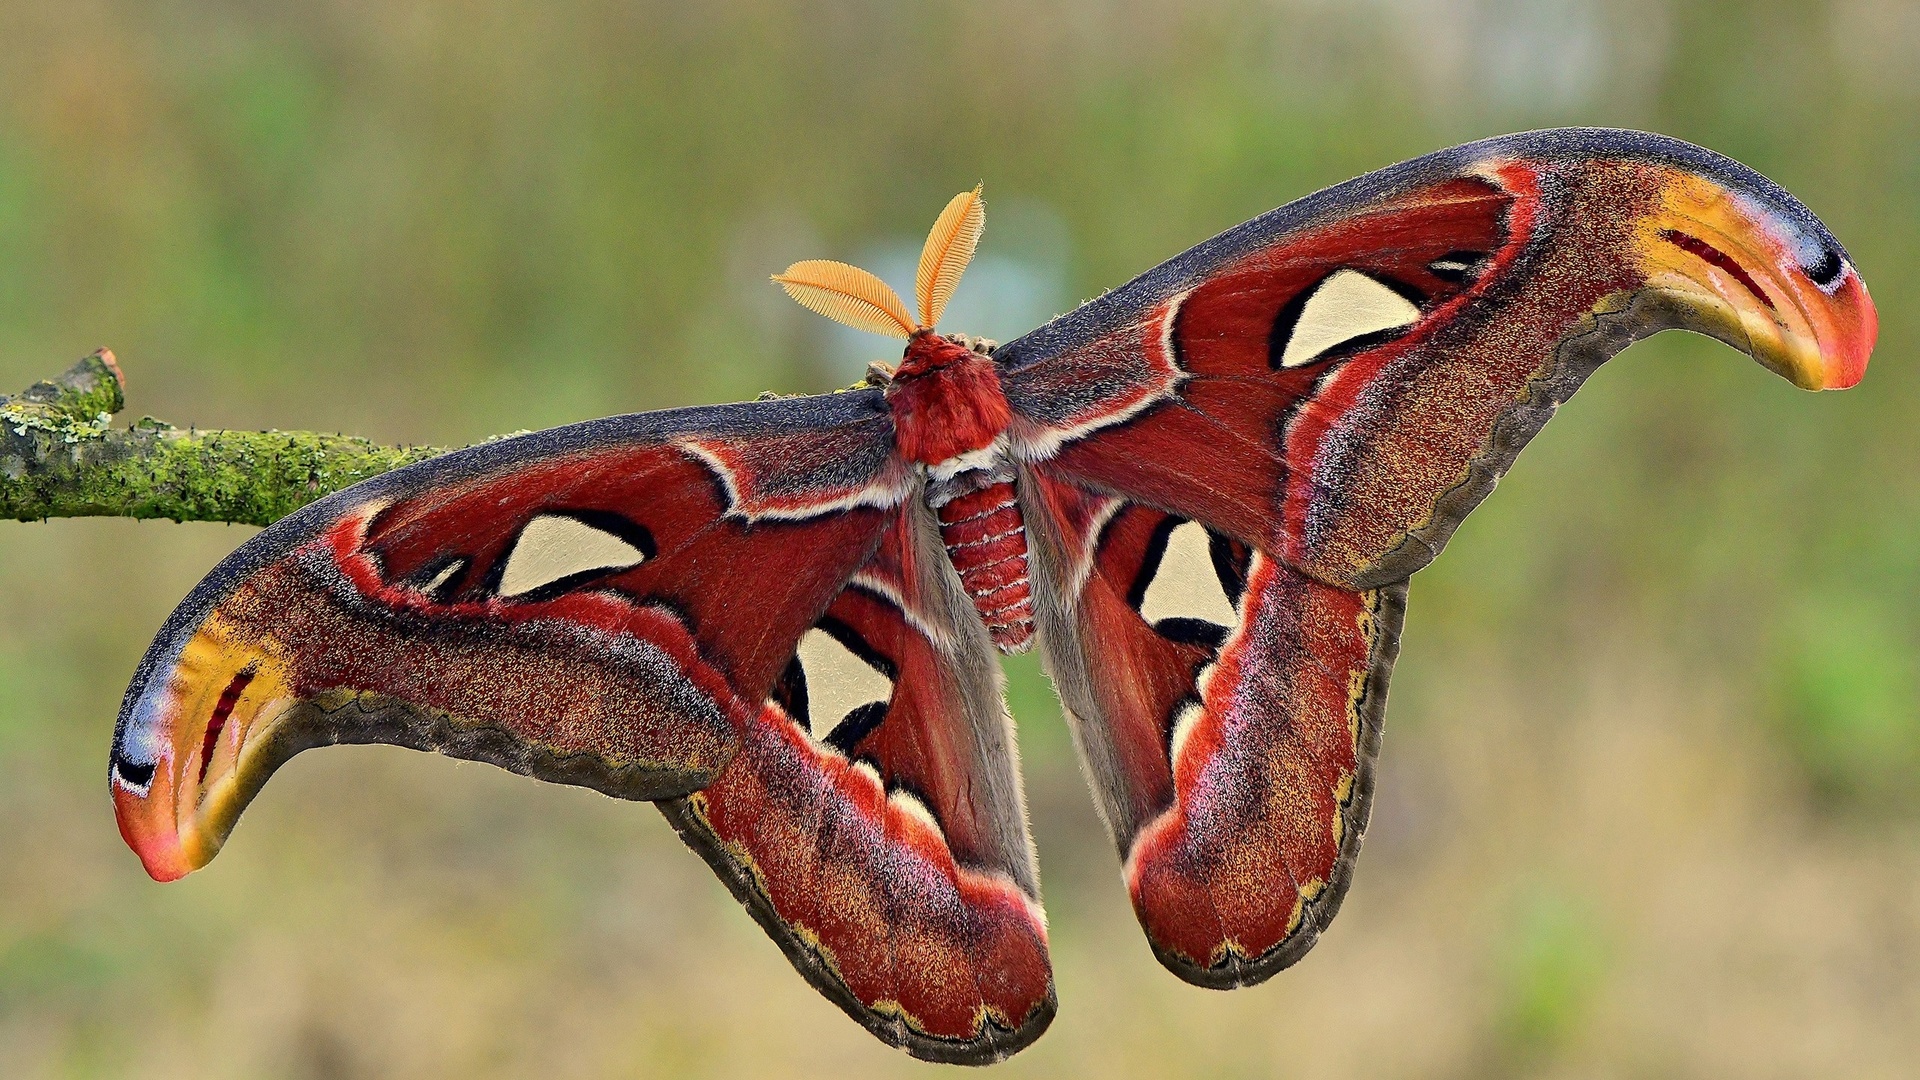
x,y
1295,415
605,605
873,822
1228,710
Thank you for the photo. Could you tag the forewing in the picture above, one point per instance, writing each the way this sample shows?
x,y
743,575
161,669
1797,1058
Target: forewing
x,y
605,604
1340,381
872,820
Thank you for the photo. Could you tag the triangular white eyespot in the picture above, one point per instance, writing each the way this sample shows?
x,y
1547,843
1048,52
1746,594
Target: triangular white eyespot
x,y
838,681
556,546
1184,722
910,805
1347,305
1186,585
445,575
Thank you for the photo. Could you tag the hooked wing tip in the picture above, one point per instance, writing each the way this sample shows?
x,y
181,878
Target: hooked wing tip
x,y
1755,269
194,748
1740,258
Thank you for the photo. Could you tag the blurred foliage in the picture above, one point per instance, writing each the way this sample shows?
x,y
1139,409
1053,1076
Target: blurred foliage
x,y
1648,801
1554,967
1849,698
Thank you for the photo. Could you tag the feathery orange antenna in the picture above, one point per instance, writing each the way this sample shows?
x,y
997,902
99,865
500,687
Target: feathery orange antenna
x,y
852,296
848,294
948,250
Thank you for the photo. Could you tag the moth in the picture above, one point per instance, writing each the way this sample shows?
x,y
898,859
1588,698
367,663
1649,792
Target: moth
x,y
1202,494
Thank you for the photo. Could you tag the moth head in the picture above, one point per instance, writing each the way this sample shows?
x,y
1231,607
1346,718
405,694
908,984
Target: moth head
x,y
1747,263
195,743
852,296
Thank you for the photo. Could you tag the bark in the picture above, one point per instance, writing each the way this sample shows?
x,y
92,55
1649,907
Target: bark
x,y
60,456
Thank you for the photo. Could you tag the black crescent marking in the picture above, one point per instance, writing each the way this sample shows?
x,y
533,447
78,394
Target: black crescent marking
x,y
1186,631
1150,560
790,693
1827,272
1457,266
453,567
857,725
1230,559
1176,333
134,773
857,645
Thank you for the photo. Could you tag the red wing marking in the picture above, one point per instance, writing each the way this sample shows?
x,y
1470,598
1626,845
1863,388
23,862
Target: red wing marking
x,y
1371,453
869,903
424,658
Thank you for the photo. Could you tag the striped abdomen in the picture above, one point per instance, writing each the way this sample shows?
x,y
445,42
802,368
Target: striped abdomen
x,y
987,540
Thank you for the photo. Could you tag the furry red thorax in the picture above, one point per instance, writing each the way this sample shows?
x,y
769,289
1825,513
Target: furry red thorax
x,y
946,400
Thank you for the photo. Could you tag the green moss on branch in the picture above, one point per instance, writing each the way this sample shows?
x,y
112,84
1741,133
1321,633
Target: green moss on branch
x,y
60,457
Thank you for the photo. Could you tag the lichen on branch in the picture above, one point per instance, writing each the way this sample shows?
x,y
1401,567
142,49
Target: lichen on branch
x,y
60,456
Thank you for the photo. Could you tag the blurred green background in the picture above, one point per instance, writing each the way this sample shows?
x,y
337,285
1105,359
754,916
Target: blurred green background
x,y
1648,804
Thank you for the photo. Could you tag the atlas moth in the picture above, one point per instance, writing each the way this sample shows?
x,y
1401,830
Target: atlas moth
x,y
1202,494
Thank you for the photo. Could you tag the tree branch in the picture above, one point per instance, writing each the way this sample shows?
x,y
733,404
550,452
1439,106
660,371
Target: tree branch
x,y
60,457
